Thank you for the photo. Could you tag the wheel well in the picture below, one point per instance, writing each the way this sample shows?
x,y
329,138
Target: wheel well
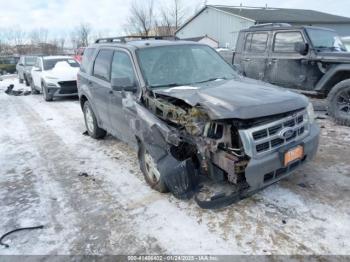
x,y
83,99
335,79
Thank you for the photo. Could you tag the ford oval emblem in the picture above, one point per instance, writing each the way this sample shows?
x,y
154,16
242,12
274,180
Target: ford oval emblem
x,y
287,133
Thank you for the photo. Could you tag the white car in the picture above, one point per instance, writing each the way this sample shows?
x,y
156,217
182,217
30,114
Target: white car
x,y
55,76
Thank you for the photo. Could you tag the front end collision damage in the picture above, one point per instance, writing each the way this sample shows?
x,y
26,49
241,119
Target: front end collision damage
x,y
197,156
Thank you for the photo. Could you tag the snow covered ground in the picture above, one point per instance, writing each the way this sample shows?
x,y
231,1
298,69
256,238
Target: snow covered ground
x,y
113,211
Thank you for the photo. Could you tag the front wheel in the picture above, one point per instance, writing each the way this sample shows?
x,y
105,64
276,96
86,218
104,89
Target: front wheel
x,y
339,103
91,122
150,170
47,96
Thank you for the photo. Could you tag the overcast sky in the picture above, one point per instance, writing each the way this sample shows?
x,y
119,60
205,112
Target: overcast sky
x,y
60,16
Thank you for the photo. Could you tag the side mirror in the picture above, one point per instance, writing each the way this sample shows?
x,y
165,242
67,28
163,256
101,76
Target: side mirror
x,y
123,84
301,48
238,68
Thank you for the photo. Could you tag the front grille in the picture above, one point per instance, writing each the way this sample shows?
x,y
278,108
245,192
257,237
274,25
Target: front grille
x,y
68,87
269,137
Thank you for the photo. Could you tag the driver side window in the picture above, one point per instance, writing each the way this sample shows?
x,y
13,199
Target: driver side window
x,y
122,66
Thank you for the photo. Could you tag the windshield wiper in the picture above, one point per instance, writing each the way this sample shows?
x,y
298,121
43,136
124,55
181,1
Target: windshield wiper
x,y
167,85
211,79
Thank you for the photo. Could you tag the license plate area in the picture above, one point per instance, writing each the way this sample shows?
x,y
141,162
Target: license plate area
x,y
292,155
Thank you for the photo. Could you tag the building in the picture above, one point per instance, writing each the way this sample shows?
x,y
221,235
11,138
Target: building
x,y
204,40
223,23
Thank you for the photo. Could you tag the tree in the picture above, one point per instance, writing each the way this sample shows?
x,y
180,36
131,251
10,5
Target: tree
x,y
171,18
141,19
83,33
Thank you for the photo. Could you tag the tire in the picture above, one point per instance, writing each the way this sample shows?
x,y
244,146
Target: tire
x,y
33,89
156,182
91,122
26,81
339,103
46,95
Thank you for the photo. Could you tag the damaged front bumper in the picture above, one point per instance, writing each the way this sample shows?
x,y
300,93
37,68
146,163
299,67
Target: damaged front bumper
x,y
64,89
264,171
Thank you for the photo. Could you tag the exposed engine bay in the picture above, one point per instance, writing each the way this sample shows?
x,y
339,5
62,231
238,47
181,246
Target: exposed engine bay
x,y
214,147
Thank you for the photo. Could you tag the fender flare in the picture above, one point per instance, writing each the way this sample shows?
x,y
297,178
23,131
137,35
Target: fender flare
x,y
322,84
91,104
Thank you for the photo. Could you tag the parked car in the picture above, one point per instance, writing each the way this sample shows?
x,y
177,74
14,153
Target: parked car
x,y
346,41
79,54
55,76
311,59
8,64
192,118
24,67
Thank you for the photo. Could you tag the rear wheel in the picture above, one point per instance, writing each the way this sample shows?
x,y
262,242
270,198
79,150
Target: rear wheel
x,y
33,89
339,103
150,171
26,80
91,122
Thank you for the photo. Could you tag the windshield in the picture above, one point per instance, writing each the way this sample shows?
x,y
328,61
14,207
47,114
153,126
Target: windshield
x,y
182,65
326,40
30,60
50,63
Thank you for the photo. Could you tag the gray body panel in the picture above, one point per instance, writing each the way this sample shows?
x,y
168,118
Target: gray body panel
x,y
291,69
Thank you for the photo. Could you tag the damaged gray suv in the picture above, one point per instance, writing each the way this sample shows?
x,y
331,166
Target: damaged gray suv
x,y
201,129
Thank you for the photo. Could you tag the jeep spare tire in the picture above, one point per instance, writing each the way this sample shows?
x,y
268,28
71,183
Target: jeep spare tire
x,y
339,103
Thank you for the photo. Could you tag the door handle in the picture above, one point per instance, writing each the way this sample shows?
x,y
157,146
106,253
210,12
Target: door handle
x,y
246,59
274,60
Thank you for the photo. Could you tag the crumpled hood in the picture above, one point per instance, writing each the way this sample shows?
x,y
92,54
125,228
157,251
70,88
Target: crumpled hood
x,y
241,98
63,72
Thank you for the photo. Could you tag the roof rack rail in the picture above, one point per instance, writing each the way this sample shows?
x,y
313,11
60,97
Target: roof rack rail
x,y
125,39
270,25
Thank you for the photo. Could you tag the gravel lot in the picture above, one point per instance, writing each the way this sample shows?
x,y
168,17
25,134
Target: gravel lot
x,y
113,211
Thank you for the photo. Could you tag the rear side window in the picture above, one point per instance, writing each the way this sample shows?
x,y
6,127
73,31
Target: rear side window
x,y
285,41
102,65
87,59
256,42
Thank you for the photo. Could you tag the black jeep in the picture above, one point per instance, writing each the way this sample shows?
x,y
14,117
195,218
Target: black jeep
x,y
311,59
195,122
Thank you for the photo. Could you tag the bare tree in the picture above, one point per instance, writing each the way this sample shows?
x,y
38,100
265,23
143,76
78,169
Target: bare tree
x,y
141,19
171,17
83,34
38,36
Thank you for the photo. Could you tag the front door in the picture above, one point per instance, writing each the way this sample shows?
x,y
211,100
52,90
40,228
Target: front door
x,y
36,73
285,66
255,55
122,67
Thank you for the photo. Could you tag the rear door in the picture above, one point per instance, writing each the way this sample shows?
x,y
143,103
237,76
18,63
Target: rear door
x,y
255,55
286,67
122,67
100,85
